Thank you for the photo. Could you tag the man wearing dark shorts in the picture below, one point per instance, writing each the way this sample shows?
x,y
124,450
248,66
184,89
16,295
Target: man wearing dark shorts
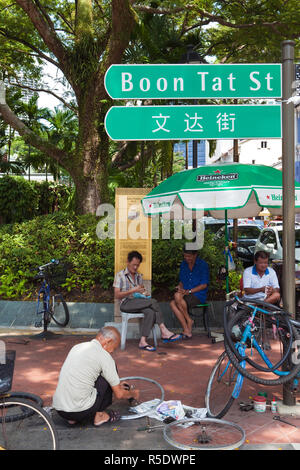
x,y
191,290
88,380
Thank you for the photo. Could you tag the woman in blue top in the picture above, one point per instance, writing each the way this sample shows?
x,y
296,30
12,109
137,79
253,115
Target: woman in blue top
x,y
191,290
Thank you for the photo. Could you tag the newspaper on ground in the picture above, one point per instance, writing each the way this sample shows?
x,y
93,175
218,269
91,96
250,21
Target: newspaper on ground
x,y
174,408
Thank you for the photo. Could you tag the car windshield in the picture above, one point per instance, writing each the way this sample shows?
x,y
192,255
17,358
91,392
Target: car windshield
x,y
297,238
246,232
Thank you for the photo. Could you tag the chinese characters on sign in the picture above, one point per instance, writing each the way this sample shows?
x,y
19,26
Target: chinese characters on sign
x,y
190,122
225,121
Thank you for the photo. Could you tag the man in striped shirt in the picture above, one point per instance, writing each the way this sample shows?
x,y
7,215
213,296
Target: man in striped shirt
x,y
130,291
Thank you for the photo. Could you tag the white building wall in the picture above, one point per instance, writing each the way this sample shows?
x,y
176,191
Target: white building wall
x,y
253,151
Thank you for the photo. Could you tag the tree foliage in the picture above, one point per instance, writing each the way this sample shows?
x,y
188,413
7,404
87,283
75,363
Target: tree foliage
x,y
82,39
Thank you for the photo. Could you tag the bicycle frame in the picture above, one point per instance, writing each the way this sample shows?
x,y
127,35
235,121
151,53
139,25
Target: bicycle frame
x,y
45,291
239,381
241,346
44,298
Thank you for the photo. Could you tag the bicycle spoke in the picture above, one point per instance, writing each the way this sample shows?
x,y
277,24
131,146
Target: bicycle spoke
x,y
204,434
220,388
58,310
149,390
34,432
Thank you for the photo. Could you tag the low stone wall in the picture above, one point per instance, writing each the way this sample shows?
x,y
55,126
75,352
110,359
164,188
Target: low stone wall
x,y
15,314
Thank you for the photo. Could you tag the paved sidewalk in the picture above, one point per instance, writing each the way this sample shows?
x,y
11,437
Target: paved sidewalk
x,y
182,368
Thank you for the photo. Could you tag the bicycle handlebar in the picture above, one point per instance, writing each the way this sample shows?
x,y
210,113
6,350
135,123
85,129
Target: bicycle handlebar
x,y
53,261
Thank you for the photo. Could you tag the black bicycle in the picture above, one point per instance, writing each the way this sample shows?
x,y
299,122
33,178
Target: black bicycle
x,y
50,302
24,424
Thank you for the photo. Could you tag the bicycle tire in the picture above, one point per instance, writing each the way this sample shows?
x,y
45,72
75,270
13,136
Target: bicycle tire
x,y
161,399
214,410
259,380
285,324
58,310
29,397
174,431
36,429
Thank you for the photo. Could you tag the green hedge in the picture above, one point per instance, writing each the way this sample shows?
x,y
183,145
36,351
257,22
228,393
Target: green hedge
x,y
21,199
73,238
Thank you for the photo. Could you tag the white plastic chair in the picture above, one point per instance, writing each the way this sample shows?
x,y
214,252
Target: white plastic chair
x,y
127,316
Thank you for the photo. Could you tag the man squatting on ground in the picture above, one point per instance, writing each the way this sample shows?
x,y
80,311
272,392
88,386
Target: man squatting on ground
x,y
88,379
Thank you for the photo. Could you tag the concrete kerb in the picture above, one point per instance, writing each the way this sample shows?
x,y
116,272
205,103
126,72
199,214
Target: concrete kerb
x,y
86,317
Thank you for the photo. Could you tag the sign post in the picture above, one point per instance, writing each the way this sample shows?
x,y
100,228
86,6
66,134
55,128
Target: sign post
x,y
288,186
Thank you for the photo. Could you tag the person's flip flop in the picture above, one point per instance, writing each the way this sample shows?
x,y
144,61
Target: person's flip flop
x,y
114,416
186,337
147,348
171,339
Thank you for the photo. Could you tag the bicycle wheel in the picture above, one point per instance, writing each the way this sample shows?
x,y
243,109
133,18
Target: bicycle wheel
x,y
204,434
256,370
149,390
58,310
220,387
19,412
34,432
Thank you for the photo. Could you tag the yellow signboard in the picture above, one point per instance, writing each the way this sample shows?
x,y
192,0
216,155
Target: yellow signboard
x,y
132,229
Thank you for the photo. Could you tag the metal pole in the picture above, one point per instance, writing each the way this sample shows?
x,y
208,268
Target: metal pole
x,y
195,165
288,178
235,159
226,251
195,153
288,191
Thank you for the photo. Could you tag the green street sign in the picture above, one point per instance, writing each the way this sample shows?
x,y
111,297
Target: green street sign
x,y
193,122
168,81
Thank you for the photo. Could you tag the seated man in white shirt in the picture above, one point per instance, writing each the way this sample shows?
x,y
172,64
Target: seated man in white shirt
x,y
260,282
88,379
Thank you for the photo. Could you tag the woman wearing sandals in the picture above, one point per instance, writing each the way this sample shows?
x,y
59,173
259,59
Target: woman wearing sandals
x,y
88,379
130,291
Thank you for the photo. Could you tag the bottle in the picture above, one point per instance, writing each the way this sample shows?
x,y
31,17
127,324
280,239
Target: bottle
x,y
274,405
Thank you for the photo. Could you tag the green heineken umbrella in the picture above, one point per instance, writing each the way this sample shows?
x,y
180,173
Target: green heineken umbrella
x,y
239,189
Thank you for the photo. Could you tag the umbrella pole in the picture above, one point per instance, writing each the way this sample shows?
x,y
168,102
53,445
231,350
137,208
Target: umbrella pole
x,y
226,252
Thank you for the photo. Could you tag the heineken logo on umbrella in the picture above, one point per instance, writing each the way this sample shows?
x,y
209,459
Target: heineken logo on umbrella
x,y
156,205
218,176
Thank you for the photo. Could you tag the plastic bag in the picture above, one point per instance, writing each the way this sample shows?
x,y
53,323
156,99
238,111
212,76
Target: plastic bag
x,y
171,408
137,295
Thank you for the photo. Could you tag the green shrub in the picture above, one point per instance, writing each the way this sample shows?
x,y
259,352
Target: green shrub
x,y
168,254
73,238
35,242
21,199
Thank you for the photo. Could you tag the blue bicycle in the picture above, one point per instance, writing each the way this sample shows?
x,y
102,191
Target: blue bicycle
x,y
50,303
264,340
